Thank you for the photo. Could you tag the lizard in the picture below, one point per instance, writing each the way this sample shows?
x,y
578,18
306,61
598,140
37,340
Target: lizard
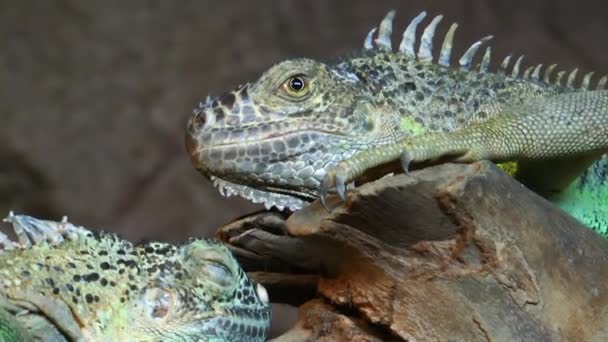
x,y
306,127
63,282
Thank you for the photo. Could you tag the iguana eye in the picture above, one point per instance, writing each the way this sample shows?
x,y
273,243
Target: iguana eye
x,y
296,83
158,302
212,265
297,86
218,273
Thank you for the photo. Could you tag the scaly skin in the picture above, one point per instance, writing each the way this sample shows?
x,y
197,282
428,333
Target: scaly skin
x,y
305,127
62,282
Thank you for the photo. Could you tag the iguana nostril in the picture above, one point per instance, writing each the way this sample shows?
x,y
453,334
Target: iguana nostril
x,y
198,120
202,119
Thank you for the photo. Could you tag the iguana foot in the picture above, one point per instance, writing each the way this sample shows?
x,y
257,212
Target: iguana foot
x,y
56,320
335,178
407,151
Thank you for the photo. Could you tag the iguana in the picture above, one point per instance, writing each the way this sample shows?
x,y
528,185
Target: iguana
x,y
306,127
62,282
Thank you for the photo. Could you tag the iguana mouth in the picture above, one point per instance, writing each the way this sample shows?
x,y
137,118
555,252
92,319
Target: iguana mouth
x,y
268,198
304,133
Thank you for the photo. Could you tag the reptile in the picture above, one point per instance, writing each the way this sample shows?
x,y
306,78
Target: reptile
x,y
307,128
62,282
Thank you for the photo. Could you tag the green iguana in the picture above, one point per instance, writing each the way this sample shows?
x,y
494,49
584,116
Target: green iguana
x,y
61,282
306,127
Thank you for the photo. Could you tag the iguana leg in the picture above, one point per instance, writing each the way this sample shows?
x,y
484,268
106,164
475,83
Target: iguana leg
x,y
30,316
39,317
58,319
558,127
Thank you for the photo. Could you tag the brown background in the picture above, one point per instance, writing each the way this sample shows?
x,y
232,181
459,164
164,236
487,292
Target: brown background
x,y
95,94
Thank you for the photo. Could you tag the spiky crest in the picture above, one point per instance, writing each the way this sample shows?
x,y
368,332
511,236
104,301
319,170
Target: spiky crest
x,y
548,72
517,66
504,65
527,72
560,76
446,47
571,77
536,72
467,57
601,84
385,32
425,52
485,61
369,40
586,80
409,36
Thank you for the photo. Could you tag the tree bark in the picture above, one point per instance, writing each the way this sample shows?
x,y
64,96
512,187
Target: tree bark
x,y
452,252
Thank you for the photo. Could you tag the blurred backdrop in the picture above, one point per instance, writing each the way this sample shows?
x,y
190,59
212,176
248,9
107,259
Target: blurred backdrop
x,y
95,95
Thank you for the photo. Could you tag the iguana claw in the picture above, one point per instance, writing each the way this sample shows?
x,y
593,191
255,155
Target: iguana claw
x,y
340,184
406,160
325,186
337,178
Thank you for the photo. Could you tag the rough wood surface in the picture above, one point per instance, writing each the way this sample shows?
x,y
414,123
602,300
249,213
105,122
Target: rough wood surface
x,y
452,252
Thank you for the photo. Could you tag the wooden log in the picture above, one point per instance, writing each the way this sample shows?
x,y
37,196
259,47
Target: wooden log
x,y
452,252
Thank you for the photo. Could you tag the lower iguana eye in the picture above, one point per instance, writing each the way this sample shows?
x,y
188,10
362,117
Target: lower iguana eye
x,y
218,273
212,264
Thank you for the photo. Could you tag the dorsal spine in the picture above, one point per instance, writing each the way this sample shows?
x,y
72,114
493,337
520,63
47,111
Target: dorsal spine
x,y
407,47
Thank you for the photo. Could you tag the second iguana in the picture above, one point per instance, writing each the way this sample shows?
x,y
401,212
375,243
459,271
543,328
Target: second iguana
x,y
306,127
62,282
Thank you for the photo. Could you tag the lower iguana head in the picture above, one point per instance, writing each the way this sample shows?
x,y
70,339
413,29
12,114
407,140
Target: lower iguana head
x,y
116,291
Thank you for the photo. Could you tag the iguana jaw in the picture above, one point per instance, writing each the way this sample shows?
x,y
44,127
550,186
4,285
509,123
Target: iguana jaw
x,y
268,198
281,180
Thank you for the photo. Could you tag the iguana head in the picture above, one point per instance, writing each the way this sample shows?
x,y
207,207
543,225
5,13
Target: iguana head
x,y
272,140
198,293
103,288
